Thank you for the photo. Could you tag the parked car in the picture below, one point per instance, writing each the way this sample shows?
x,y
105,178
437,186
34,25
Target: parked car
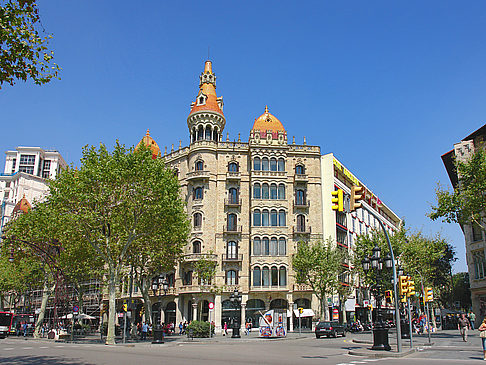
x,y
330,329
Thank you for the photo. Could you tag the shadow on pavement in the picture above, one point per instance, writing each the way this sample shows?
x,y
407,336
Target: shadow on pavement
x,y
315,357
41,360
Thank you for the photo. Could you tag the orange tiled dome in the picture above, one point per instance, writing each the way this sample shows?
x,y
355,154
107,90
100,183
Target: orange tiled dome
x,y
150,143
22,206
267,121
207,88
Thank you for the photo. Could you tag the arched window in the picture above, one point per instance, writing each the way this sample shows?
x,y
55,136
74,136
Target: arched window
x,y
282,277
215,135
196,247
232,220
187,279
273,191
273,164
231,277
233,167
265,191
197,219
257,218
265,218
257,246
265,277
232,250
265,246
233,195
274,276
257,276
200,133
171,280
201,100
265,166
208,133
274,218
256,164
199,165
300,197
282,247
281,164
273,246
300,170
281,191
197,193
282,221
301,223
257,191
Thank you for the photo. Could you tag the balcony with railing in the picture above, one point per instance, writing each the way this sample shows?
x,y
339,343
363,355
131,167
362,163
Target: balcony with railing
x,y
232,202
302,287
231,288
232,257
231,229
233,175
301,204
198,256
300,230
198,175
195,289
301,178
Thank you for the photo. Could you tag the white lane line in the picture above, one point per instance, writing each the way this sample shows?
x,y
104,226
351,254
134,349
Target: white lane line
x,y
8,348
59,346
44,347
27,348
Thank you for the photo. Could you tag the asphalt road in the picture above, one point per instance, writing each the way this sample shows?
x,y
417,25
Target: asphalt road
x,y
306,350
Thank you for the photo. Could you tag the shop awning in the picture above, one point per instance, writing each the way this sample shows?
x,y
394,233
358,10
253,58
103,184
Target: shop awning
x,y
305,313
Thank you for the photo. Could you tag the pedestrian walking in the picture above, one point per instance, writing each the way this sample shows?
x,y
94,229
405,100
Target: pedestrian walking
x,y
472,318
225,329
463,325
181,328
25,328
145,329
482,334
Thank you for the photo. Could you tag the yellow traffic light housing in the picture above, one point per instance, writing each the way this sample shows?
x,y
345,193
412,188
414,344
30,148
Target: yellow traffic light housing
x,y
411,287
428,295
403,285
356,196
337,200
388,296
301,310
125,307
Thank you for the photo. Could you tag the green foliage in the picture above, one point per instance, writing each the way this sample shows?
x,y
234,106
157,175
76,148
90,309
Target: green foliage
x,y
104,329
205,269
200,328
23,50
318,265
461,291
467,203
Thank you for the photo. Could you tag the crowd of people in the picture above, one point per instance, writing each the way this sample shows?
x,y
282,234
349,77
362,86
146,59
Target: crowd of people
x,y
144,329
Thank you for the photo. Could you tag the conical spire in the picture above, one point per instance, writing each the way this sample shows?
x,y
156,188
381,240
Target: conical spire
x,y
206,98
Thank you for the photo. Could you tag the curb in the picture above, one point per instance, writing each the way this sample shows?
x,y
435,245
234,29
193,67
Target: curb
x,y
380,354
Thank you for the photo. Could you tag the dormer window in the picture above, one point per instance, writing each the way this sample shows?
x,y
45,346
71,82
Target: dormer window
x,y
201,99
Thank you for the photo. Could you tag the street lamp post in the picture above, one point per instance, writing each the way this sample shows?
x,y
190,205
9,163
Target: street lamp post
x,y
158,282
380,329
235,298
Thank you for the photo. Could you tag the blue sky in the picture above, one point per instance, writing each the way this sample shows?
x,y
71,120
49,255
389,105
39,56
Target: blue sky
x,y
388,87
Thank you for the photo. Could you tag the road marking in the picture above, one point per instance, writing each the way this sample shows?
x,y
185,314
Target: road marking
x,y
59,346
44,347
27,348
8,348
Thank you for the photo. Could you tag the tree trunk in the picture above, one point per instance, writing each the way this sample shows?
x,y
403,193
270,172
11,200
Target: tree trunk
x,y
46,292
146,304
324,308
112,285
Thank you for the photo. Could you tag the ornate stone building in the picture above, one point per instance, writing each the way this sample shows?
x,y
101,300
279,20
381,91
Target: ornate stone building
x,y
249,204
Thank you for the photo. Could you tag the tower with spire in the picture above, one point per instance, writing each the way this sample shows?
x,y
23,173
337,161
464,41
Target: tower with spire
x,y
206,120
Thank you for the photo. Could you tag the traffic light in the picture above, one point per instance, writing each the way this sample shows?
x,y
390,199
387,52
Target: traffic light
x,y
125,307
337,200
411,287
388,296
428,294
403,285
301,310
356,196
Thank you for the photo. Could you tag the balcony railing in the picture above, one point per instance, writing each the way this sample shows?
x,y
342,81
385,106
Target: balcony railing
x,y
197,175
269,173
233,175
233,257
195,289
302,287
199,256
302,204
298,230
170,291
300,178
231,288
232,202
232,229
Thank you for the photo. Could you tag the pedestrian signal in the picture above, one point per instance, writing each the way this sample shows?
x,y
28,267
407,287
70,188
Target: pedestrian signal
x,y
337,200
125,307
356,196
388,296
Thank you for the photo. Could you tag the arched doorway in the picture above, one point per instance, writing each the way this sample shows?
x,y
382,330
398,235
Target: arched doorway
x,y
306,322
189,311
203,312
279,304
253,309
228,312
170,313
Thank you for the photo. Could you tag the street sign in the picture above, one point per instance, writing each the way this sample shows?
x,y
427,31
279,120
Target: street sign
x,y
75,309
211,305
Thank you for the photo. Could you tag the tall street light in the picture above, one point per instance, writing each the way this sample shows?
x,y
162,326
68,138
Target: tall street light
x,y
157,283
380,330
235,298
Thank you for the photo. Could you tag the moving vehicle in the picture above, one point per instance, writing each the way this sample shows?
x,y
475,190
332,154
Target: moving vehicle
x,y
330,329
5,323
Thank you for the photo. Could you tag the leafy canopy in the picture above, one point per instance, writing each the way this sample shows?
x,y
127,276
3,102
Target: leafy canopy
x,y
23,50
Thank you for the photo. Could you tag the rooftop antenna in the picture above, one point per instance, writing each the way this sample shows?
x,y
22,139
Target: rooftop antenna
x,y
208,52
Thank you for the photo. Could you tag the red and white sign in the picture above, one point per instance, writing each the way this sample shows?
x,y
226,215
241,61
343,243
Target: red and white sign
x,y
335,314
211,305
